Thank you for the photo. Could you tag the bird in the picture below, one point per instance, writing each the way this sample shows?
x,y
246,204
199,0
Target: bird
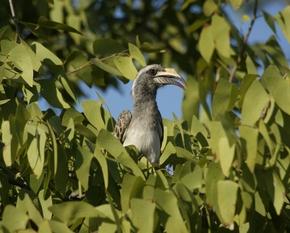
x,y
143,126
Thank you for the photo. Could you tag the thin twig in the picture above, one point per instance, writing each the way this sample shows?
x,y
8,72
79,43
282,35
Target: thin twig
x,y
246,38
14,20
92,61
12,8
89,63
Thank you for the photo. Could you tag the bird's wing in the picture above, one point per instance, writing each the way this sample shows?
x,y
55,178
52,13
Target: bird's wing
x,y
122,125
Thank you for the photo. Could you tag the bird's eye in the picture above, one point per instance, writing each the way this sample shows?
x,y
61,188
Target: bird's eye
x,y
152,71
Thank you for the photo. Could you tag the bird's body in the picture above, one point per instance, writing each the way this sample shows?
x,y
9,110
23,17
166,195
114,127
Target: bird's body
x,y
143,128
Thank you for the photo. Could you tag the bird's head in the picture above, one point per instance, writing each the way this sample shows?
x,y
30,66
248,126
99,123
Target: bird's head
x,y
151,77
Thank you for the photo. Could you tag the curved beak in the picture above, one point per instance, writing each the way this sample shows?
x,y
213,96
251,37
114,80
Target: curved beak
x,y
169,76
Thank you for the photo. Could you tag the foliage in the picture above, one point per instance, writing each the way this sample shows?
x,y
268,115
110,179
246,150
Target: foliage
x,y
225,166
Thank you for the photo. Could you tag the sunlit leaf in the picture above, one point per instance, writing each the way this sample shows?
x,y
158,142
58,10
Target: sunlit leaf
x,y
226,155
279,87
227,206
283,20
7,140
21,57
43,53
126,67
221,35
68,212
251,113
10,214
136,54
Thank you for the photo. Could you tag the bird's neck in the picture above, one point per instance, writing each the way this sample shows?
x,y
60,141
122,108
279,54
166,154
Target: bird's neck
x,y
146,103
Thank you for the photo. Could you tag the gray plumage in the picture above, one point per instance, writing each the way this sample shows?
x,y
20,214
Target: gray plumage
x,y
143,128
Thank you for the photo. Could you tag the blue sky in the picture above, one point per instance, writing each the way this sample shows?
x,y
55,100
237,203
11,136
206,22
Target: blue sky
x,y
169,98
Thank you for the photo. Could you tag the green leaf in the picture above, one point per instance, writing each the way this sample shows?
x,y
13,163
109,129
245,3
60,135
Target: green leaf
x,y
236,3
7,141
137,54
67,88
251,113
226,155
83,171
52,94
269,20
279,87
27,205
209,7
250,137
92,111
168,151
21,58
221,98
217,131
107,46
110,68
227,197
193,180
168,202
57,226
131,188
36,152
221,35
138,217
213,175
9,217
103,164
206,43
107,141
45,23
43,53
45,204
279,193
69,212
173,226
259,205
126,67
44,227
283,20
54,148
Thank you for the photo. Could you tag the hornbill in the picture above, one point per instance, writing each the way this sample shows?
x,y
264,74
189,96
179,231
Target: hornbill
x,y
143,128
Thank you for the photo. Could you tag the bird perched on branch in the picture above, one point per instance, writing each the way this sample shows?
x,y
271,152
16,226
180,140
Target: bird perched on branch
x,y
143,127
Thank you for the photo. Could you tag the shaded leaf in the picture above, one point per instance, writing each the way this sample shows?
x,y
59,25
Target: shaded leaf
x,y
147,213
206,43
250,137
131,188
